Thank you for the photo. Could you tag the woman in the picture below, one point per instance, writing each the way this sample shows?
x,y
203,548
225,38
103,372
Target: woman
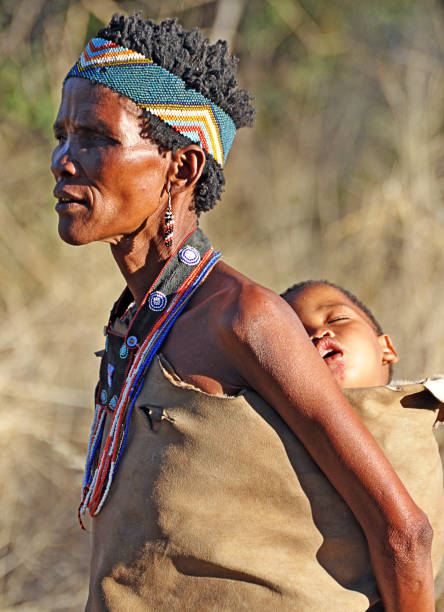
x,y
188,475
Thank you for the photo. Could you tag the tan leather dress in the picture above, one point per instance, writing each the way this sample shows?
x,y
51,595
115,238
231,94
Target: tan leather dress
x,y
218,507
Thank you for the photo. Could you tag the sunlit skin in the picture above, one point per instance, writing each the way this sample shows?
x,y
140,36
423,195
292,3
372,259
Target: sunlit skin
x,y
234,333
344,336
110,180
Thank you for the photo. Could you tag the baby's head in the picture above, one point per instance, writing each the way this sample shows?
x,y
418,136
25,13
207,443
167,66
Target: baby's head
x,y
345,332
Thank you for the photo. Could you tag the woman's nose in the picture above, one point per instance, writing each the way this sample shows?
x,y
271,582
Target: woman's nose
x,y
62,162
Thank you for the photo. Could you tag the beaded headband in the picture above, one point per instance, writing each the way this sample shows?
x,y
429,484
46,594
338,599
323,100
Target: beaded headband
x,y
159,91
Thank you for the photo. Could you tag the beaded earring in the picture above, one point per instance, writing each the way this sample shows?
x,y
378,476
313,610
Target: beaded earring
x,y
169,222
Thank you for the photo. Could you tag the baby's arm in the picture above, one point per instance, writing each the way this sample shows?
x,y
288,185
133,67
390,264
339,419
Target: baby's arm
x,y
269,347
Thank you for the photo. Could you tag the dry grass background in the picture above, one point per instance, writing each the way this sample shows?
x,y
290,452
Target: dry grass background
x,y
342,178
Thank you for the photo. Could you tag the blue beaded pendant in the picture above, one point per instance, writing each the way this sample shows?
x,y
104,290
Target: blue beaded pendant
x,y
189,255
110,373
157,301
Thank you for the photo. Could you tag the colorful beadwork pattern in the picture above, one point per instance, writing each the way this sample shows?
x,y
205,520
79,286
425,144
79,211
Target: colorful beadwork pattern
x,y
159,91
102,460
110,374
189,255
157,301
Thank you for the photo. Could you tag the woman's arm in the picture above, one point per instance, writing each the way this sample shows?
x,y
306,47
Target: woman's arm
x,y
265,341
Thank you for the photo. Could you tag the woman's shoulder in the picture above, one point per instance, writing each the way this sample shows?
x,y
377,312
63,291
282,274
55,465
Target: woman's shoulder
x,y
241,313
229,315
237,298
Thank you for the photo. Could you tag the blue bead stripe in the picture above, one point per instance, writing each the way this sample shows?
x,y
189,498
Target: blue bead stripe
x,y
155,344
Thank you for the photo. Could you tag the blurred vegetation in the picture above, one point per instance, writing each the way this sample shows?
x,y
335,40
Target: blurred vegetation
x,y
341,178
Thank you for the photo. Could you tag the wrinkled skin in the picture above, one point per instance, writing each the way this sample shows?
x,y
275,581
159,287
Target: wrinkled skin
x,y
118,181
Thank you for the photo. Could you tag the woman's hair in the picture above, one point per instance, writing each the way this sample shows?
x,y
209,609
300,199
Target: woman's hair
x,y
209,69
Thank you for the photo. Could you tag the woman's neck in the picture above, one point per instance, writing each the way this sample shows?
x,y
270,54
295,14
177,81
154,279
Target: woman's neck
x,y
142,254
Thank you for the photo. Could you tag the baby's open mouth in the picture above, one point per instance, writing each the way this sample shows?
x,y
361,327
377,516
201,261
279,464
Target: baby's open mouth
x,y
328,348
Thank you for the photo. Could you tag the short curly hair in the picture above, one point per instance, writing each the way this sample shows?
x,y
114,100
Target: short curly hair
x,y
209,69
298,287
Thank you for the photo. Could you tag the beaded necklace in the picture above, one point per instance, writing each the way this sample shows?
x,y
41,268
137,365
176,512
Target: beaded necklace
x,y
127,357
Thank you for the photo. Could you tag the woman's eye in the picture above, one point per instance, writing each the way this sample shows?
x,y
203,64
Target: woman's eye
x,y
93,139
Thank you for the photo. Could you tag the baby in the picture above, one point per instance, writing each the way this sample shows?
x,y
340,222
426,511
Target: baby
x,y
359,354
345,332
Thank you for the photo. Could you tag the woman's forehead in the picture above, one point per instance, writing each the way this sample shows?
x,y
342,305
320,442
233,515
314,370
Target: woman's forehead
x,y
83,96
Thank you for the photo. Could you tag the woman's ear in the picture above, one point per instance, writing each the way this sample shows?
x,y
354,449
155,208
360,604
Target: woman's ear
x,y
186,166
389,354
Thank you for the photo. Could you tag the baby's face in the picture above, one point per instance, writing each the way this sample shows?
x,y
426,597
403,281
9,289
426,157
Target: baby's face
x,y
344,337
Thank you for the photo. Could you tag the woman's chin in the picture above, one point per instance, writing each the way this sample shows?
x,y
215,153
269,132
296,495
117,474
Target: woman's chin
x,y
69,234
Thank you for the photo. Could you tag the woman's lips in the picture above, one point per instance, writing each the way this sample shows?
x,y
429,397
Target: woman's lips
x,y
69,197
67,204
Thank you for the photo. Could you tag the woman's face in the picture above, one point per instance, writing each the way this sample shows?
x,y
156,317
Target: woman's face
x,y
109,180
